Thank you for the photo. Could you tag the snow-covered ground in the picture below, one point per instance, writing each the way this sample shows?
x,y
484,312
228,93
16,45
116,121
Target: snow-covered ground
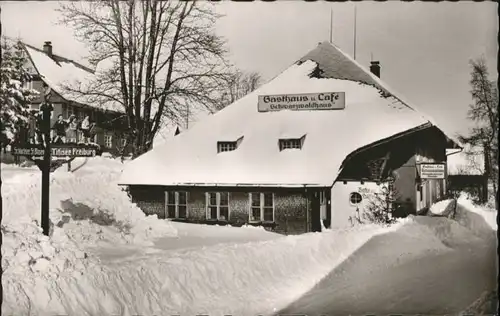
x,y
13,171
105,257
430,266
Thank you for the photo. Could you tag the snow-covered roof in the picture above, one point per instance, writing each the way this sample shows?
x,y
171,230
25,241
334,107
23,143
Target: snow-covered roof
x,y
170,128
470,161
191,158
58,72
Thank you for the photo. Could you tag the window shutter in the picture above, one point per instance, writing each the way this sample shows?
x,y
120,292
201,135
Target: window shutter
x,y
206,204
261,206
187,204
166,204
249,206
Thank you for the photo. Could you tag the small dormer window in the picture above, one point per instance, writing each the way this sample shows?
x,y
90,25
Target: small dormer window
x,y
223,146
291,143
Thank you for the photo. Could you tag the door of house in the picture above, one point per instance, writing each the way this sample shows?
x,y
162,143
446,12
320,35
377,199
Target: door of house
x,y
421,196
315,212
322,205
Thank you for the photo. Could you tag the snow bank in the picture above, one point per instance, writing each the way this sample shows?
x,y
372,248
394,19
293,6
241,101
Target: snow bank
x,y
233,278
86,207
443,208
91,194
421,268
48,276
480,220
238,279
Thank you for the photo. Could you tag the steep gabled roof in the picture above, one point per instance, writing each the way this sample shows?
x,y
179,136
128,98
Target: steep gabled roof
x,y
334,64
372,113
57,71
60,59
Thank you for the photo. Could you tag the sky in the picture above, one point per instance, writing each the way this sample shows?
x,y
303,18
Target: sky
x,y
423,48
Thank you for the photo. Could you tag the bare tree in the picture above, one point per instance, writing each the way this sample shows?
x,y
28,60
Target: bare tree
x,y
159,57
484,112
238,85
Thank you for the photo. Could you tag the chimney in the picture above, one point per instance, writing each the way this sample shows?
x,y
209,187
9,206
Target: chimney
x,y
375,68
47,48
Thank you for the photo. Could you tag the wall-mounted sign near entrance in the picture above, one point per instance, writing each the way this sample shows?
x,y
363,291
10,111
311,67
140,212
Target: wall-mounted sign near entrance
x,y
302,102
432,171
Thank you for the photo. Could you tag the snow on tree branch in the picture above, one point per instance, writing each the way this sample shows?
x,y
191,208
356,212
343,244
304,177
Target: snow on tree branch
x,y
15,98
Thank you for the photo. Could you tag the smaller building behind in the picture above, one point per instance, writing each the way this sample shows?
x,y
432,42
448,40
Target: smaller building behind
x,y
52,70
466,172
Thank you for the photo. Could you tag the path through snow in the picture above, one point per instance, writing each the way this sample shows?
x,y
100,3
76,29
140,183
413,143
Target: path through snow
x,y
404,273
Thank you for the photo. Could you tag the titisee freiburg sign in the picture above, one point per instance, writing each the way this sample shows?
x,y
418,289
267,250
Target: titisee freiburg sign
x,y
302,102
55,151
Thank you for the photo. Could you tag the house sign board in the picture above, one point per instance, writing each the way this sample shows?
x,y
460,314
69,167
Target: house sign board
x,y
432,171
302,102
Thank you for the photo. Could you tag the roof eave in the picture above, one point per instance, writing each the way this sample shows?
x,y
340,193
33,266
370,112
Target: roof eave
x,y
230,185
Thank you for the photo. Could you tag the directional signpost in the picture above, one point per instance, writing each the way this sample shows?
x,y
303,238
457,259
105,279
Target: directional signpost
x,y
63,150
48,150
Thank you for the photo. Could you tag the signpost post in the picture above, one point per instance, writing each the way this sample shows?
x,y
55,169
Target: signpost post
x,y
46,111
47,151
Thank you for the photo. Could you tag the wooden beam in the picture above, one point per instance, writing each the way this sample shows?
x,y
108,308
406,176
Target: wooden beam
x,y
383,168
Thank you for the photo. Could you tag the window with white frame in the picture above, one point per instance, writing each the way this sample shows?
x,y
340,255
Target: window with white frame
x,y
226,146
217,205
261,207
291,143
28,84
223,146
108,141
70,110
176,204
123,142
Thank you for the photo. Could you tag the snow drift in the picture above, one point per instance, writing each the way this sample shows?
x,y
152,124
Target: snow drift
x,y
429,266
48,276
236,279
263,276
86,208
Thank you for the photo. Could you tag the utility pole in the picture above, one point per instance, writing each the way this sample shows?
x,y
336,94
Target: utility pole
x,y
331,25
355,22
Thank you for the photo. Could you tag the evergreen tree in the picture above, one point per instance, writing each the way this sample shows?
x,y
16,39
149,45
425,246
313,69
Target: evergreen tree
x,y
14,98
